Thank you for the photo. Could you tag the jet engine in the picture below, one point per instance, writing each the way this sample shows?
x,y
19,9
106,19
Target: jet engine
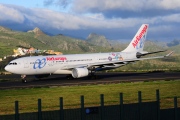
x,y
80,72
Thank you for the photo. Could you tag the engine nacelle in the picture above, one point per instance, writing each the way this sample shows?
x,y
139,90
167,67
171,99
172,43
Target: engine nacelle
x,y
80,72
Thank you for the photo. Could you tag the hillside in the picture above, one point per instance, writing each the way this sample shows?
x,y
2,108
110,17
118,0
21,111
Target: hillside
x,y
10,40
176,49
36,38
175,42
98,40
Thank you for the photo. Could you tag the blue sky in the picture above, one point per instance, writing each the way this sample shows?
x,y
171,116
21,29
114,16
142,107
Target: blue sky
x,y
115,19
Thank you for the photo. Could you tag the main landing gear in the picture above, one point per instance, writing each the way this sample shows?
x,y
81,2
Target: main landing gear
x,y
23,78
92,75
69,77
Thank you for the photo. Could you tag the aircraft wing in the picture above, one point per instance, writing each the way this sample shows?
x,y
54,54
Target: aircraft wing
x,y
139,54
113,63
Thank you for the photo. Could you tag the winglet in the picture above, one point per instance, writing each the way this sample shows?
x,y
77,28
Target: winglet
x,y
169,54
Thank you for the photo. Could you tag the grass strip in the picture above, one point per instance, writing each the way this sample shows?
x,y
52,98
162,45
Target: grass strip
x,y
71,94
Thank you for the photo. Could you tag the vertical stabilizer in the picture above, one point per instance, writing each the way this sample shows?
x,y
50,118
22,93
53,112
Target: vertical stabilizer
x,y
137,43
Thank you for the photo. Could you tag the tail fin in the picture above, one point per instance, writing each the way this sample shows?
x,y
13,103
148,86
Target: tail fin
x,y
137,43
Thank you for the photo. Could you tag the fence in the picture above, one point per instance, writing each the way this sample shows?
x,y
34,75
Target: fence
x,y
135,111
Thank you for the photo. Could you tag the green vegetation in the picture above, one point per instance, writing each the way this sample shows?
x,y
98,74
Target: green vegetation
x,y
50,96
5,50
10,40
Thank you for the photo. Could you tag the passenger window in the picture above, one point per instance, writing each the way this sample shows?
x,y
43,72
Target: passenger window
x,y
14,63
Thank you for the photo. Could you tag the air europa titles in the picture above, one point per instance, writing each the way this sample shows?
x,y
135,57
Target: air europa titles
x,y
137,39
55,58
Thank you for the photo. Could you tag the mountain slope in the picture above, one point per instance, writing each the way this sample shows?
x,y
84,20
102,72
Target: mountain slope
x,y
36,38
98,40
176,49
10,40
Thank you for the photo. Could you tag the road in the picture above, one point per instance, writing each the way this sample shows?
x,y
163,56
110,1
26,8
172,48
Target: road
x,y
14,81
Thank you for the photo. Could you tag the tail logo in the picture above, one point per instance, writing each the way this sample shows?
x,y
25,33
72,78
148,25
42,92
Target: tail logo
x,y
139,37
141,43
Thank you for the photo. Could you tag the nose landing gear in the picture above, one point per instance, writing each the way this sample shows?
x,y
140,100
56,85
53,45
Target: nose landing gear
x,y
23,78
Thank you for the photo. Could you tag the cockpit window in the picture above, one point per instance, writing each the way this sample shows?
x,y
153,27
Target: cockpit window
x,y
12,63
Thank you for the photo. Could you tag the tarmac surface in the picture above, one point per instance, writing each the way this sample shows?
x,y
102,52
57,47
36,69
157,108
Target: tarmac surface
x,y
14,81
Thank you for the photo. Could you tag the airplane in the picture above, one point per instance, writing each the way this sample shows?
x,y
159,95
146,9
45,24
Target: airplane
x,y
82,65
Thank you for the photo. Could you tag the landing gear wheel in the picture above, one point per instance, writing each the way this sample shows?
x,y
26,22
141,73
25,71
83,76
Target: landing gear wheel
x,y
92,75
69,77
24,81
23,78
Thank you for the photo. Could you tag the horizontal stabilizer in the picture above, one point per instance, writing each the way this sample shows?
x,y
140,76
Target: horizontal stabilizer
x,y
139,54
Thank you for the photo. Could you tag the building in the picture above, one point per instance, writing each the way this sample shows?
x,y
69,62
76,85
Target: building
x,y
24,51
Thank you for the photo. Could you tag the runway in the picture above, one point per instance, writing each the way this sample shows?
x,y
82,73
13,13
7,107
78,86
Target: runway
x,y
14,81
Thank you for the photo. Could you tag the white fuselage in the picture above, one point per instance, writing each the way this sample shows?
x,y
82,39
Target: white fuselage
x,y
57,64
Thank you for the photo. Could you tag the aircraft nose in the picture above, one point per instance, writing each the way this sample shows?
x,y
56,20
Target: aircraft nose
x,y
7,68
